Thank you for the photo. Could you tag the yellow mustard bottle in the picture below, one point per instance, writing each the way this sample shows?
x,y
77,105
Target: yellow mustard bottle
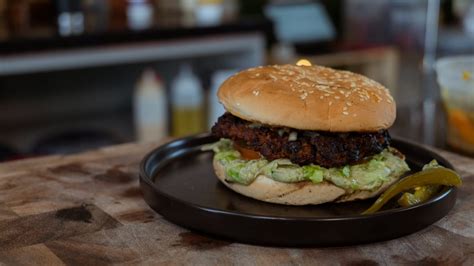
x,y
187,103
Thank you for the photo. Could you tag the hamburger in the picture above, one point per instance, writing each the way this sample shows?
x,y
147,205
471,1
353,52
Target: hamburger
x,y
299,135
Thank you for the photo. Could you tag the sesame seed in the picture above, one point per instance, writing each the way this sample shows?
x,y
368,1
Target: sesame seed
x,y
349,103
337,97
330,103
321,97
256,92
345,108
345,113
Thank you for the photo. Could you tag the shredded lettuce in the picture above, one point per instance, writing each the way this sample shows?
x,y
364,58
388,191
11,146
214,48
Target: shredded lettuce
x,y
431,164
314,173
244,172
283,170
220,146
366,176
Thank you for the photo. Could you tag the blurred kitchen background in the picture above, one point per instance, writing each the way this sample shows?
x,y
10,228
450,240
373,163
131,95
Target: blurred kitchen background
x,y
82,74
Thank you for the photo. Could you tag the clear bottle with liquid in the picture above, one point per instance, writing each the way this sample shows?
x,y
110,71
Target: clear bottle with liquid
x,y
187,103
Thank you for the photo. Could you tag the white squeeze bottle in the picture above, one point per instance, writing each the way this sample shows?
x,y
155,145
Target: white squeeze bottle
x,y
150,109
187,103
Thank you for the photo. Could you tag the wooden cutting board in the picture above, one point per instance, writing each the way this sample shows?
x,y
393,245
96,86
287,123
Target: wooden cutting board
x,y
87,209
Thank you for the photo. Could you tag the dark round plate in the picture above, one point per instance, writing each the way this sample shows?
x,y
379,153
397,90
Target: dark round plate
x,y
178,181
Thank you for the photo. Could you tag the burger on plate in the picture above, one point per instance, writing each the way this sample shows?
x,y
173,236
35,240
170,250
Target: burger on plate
x,y
301,135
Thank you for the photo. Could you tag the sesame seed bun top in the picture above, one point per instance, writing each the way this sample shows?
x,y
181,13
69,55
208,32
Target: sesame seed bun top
x,y
308,98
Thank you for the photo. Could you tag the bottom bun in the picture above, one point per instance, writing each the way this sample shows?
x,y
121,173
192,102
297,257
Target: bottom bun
x,y
301,193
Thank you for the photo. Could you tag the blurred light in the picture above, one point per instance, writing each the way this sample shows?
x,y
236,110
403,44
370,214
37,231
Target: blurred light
x,y
303,62
209,13
140,14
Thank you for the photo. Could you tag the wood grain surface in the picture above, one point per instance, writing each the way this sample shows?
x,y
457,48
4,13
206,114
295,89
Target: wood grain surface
x,y
87,209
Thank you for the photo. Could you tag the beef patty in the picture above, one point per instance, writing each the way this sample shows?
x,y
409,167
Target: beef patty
x,y
326,149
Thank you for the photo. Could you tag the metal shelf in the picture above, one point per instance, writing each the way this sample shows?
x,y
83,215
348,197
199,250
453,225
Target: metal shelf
x,y
250,45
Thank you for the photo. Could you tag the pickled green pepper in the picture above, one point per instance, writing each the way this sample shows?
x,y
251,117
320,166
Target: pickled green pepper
x,y
432,176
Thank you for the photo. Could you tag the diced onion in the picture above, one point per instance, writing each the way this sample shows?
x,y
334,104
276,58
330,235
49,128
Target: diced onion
x,y
293,136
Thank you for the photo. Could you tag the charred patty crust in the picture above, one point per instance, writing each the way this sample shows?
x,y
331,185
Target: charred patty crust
x,y
326,149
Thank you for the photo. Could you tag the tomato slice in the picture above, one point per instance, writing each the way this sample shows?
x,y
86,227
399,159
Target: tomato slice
x,y
247,154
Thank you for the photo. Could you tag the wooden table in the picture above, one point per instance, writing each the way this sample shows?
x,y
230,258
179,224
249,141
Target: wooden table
x,y
87,209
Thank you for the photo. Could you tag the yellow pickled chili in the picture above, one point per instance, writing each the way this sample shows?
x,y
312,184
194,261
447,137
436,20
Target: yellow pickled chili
x,y
433,176
421,194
